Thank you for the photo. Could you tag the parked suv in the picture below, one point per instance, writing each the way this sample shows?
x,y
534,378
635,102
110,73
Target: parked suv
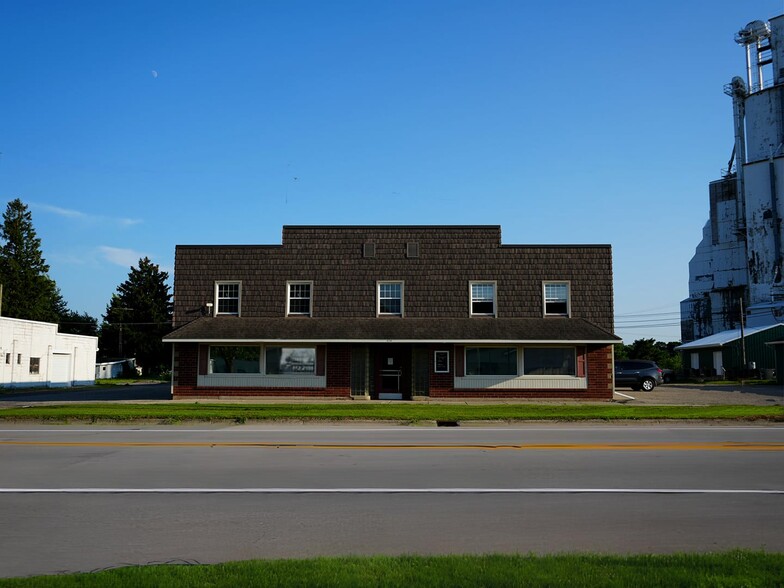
x,y
638,374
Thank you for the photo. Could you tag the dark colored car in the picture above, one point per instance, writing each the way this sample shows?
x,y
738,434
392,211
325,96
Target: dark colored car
x,y
638,374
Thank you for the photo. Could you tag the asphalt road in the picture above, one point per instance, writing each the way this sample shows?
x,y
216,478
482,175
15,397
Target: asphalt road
x,y
83,498
135,392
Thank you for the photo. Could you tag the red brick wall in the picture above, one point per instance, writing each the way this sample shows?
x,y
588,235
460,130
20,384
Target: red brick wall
x,y
186,362
339,370
599,367
600,371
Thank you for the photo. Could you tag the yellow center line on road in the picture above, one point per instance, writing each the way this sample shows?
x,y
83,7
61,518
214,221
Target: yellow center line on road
x,y
722,446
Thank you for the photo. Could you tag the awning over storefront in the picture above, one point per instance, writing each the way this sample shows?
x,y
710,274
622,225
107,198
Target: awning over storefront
x,y
387,330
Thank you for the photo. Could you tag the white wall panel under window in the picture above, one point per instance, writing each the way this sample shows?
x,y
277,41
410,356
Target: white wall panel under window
x,y
527,382
262,381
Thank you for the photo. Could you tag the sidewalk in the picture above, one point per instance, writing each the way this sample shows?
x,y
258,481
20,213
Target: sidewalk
x,y
668,394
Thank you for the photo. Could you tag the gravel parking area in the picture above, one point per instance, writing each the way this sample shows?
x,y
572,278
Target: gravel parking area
x,y
703,395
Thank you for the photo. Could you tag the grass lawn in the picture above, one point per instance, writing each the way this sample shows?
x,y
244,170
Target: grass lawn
x,y
108,382
409,413
735,568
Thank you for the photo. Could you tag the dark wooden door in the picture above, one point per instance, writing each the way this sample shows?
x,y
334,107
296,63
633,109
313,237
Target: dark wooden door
x,y
393,372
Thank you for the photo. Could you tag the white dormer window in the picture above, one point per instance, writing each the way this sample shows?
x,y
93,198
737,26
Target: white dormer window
x,y
482,298
227,298
300,296
556,299
390,299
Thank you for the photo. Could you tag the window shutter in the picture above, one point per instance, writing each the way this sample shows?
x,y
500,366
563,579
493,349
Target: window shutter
x,y
459,361
581,360
321,356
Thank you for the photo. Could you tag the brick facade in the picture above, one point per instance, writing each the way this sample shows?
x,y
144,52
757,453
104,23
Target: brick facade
x,y
436,266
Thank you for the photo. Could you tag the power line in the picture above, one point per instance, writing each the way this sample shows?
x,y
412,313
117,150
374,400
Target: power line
x,y
650,314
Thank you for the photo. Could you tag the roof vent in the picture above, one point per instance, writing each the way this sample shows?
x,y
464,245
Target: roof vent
x,y
412,249
369,250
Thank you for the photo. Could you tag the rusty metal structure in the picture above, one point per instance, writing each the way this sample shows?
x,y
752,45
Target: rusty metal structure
x,y
738,263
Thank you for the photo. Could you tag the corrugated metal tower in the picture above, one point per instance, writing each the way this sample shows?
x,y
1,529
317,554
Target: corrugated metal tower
x,y
740,255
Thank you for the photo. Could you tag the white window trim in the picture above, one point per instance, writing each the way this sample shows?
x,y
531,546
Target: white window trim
x,y
239,297
471,298
568,298
288,297
402,298
435,362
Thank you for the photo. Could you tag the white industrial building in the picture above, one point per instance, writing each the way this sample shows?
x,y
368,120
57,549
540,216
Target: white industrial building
x,y
34,354
737,268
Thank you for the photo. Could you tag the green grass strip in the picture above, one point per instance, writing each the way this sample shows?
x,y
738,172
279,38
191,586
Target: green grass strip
x,y
391,412
735,568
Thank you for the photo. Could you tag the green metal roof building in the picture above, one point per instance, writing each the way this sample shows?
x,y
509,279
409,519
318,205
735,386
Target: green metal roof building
x,y
722,354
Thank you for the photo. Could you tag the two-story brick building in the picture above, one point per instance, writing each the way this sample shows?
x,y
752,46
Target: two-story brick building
x,y
393,312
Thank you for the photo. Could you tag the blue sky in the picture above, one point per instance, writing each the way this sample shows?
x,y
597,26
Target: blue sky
x,y
131,127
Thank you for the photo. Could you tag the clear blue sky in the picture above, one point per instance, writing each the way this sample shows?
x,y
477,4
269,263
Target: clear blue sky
x,y
131,127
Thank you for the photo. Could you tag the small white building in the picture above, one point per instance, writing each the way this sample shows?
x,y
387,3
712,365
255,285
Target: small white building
x,y
110,370
33,353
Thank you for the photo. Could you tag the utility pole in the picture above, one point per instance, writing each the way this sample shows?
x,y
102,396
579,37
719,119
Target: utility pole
x,y
742,341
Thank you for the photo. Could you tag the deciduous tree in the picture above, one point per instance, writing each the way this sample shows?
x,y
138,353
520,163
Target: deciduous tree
x,y
78,323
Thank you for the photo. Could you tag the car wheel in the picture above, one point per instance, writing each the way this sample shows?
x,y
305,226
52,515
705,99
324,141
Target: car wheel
x,y
648,384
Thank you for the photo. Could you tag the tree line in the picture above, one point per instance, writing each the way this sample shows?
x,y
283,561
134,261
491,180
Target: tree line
x,y
137,316
662,353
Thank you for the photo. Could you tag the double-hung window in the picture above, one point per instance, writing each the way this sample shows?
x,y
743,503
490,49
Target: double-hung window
x,y
227,297
390,298
556,299
300,297
482,298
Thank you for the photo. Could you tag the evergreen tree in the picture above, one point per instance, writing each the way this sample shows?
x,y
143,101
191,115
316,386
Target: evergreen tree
x,y
28,291
137,317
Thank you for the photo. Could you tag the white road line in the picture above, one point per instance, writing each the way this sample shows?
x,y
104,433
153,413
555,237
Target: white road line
x,y
383,491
